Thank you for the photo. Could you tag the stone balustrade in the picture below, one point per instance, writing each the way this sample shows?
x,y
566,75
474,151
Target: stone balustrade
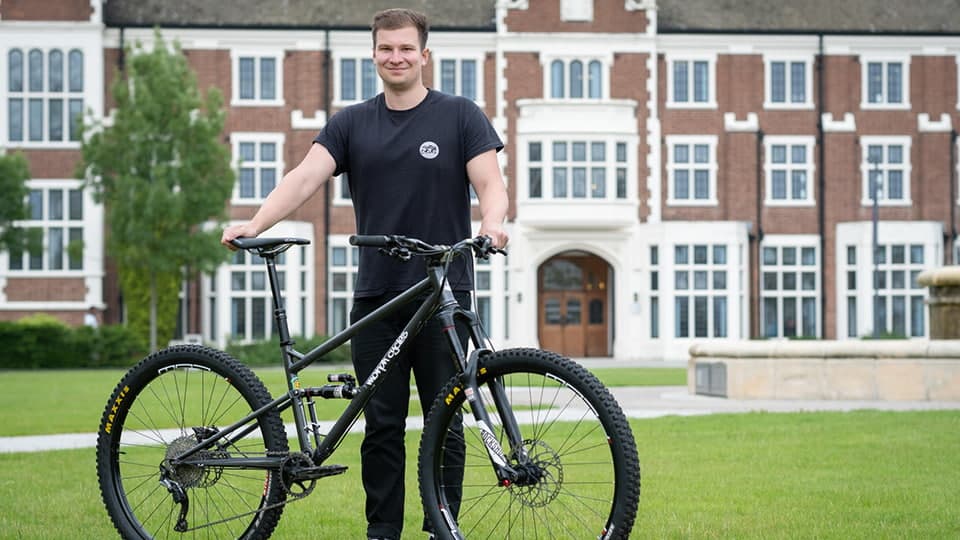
x,y
894,370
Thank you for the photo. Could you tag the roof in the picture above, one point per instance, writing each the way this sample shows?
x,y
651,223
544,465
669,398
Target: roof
x,y
350,14
810,16
673,16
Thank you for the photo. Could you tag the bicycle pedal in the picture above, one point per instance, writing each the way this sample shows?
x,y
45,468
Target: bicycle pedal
x,y
313,473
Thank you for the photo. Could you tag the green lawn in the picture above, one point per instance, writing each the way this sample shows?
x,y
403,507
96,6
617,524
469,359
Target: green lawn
x,y
838,476
71,401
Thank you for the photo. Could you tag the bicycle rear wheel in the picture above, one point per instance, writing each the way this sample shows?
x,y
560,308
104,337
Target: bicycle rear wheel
x,y
584,479
161,408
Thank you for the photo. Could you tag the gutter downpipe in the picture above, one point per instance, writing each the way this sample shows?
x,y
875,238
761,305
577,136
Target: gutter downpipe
x,y
821,188
327,205
953,197
757,290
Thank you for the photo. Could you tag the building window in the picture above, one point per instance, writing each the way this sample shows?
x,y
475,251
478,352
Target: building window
x,y
700,290
886,166
886,84
690,83
257,79
789,289
44,95
578,169
358,79
692,170
576,79
789,170
57,212
344,261
251,303
899,307
484,293
458,77
787,84
260,160
849,285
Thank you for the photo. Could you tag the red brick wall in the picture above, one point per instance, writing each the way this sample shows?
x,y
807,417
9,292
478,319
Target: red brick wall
x,y
525,76
43,10
608,16
45,289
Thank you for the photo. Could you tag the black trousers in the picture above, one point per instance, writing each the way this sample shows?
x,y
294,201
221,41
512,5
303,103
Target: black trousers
x,y
383,454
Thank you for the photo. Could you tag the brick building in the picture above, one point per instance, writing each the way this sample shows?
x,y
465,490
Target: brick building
x,y
677,171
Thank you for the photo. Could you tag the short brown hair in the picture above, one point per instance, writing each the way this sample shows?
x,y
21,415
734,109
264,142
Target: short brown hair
x,y
392,19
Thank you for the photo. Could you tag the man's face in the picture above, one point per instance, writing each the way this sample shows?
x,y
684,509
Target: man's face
x,y
399,58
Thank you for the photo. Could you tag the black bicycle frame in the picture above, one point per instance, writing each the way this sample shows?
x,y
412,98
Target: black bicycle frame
x,y
440,301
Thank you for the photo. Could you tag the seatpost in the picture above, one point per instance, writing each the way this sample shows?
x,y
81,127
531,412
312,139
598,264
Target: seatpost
x,y
279,314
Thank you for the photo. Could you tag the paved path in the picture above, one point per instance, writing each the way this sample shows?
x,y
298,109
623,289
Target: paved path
x,y
637,402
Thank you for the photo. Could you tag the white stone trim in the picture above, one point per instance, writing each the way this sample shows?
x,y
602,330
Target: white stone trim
x,y
847,125
298,121
750,124
926,125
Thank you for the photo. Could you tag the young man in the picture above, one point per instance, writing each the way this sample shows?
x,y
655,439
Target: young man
x,y
411,154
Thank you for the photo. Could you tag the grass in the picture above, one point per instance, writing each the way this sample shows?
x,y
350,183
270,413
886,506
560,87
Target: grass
x,y
71,401
862,474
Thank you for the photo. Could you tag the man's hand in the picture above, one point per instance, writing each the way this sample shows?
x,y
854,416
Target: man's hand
x,y
243,230
498,236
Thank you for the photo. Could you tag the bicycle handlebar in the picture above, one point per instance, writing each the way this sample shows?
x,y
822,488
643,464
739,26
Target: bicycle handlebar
x,y
400,246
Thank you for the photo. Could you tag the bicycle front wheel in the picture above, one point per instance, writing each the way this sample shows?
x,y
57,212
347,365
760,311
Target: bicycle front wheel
x,y
581,471
162,407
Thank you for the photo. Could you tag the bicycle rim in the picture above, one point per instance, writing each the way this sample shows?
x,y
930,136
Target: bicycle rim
x,y
157,412
584,477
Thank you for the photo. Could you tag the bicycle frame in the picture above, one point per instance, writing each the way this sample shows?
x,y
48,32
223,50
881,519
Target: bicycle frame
x,y
440,301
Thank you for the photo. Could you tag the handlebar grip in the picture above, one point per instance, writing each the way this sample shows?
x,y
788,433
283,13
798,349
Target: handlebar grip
x,y
369,240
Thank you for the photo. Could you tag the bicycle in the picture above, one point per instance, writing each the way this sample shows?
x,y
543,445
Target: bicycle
x,y
191,441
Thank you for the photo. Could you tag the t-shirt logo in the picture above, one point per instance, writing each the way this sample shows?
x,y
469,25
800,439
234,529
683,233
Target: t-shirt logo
x,y
429,150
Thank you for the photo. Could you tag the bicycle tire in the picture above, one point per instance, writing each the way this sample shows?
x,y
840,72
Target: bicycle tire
x,y
568,419
152,414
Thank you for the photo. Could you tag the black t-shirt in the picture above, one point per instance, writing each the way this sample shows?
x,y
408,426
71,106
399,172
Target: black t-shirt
x,y
407,175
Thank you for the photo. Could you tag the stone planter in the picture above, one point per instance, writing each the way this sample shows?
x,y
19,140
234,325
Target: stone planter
x,y
944,301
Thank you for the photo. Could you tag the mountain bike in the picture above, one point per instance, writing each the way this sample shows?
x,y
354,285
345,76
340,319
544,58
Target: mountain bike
x,y
191,442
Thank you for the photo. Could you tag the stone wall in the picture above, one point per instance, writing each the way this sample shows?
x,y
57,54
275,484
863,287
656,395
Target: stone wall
x,y
909,370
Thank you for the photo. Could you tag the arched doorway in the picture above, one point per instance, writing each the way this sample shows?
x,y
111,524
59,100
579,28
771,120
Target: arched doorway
x,y
574,291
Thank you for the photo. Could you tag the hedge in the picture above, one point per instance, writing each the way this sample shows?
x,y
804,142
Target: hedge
x,y
267,353
43,342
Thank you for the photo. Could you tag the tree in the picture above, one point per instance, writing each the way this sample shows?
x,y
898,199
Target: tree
x,y
14,173
163,176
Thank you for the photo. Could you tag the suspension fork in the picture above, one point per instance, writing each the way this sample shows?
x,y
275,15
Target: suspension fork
x,y
505,473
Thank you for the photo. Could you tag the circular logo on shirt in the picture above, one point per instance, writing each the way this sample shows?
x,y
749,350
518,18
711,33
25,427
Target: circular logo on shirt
x,y
429,150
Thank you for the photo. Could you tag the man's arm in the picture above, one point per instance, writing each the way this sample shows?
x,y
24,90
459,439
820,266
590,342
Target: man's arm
x,y
297,186
484,173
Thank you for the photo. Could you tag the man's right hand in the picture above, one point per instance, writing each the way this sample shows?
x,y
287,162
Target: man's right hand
x,y
243,230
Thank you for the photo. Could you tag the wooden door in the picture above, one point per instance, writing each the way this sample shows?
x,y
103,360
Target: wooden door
x,y
573,305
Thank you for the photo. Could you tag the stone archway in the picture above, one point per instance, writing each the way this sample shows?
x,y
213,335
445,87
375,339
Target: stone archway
x,y
575,304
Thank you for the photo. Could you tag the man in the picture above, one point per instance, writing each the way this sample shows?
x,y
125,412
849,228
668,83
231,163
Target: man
x,y
410,154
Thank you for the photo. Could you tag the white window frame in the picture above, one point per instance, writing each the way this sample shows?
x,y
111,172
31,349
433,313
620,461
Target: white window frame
x,y
711,102
799,243
45,95
547,165
866,167
350,268
338,99
458,74
257,55
340,196
809,167
712,167
546,62
865,62
257,138
807,62
691,292
45,224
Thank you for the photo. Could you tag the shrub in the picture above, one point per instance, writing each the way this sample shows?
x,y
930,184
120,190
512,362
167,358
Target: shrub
x,y
267,353
42,341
